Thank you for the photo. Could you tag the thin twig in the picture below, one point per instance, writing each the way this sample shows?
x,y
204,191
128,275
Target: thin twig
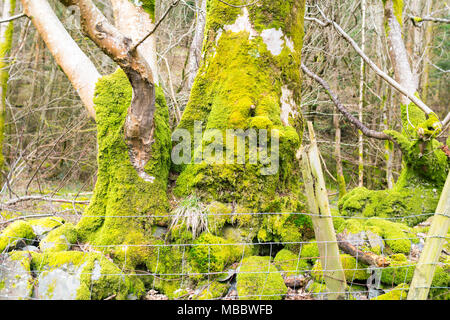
x,y
368,132
14,18
27,217
173,5
42,198
240,6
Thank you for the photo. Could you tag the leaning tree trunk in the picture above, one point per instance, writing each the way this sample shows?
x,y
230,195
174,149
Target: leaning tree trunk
x,y
425,165
6,33
249,79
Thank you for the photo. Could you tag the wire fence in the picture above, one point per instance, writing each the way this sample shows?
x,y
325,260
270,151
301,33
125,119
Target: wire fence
x,y
255,270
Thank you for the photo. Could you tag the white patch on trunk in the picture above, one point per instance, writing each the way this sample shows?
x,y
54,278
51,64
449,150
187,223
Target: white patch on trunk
x,y
242,23
289,43
273,38
288,106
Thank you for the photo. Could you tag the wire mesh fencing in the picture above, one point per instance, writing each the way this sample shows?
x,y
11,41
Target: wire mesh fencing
x,y
217,267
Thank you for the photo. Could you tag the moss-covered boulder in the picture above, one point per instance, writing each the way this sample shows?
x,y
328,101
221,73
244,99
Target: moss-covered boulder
x,y
213,290
17,235
213,254
289,263
60,239
43,226
310,252
16,281
74,275
258,279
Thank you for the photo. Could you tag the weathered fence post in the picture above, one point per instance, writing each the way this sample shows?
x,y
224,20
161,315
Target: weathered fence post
x,y
424,273
317,195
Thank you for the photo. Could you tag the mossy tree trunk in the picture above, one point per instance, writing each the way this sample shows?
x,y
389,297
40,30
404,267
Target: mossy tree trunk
x,y
6,33
250,78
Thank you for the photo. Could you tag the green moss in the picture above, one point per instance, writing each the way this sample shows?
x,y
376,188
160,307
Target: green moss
x,y
208,255
310,252
290,263
17,233
398,293
317,288
394,234
149,7
214,290
48,223
258,279
119,191
353,269
60,239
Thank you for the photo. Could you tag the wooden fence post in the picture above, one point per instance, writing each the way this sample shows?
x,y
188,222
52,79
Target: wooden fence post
x,y
424,273
317,195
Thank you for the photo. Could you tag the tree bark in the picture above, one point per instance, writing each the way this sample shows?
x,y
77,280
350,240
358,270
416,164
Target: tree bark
x,y
195,52
361,97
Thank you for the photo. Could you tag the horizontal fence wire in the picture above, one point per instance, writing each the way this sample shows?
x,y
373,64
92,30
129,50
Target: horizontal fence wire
x,y
356,288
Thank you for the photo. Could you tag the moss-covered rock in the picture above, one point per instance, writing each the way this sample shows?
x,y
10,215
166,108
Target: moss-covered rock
x,y
259,279
60,239
289,263
77,275
16,280
43,226
310,252
17,235
213,254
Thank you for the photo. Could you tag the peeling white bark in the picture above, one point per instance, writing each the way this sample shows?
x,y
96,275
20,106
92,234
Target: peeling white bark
x,y
241,24
288,106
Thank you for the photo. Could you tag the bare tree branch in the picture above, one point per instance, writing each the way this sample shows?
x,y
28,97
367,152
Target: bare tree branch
x,y
173,5
366,131
13,18
372,65
417,21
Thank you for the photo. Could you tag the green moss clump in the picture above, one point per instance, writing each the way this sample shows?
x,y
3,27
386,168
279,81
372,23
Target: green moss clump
x,y
289,263
310,252
121,196
208,255
398,293
259,279
18,233
60,239
353,269
43,226
214,290
394,234
149,7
